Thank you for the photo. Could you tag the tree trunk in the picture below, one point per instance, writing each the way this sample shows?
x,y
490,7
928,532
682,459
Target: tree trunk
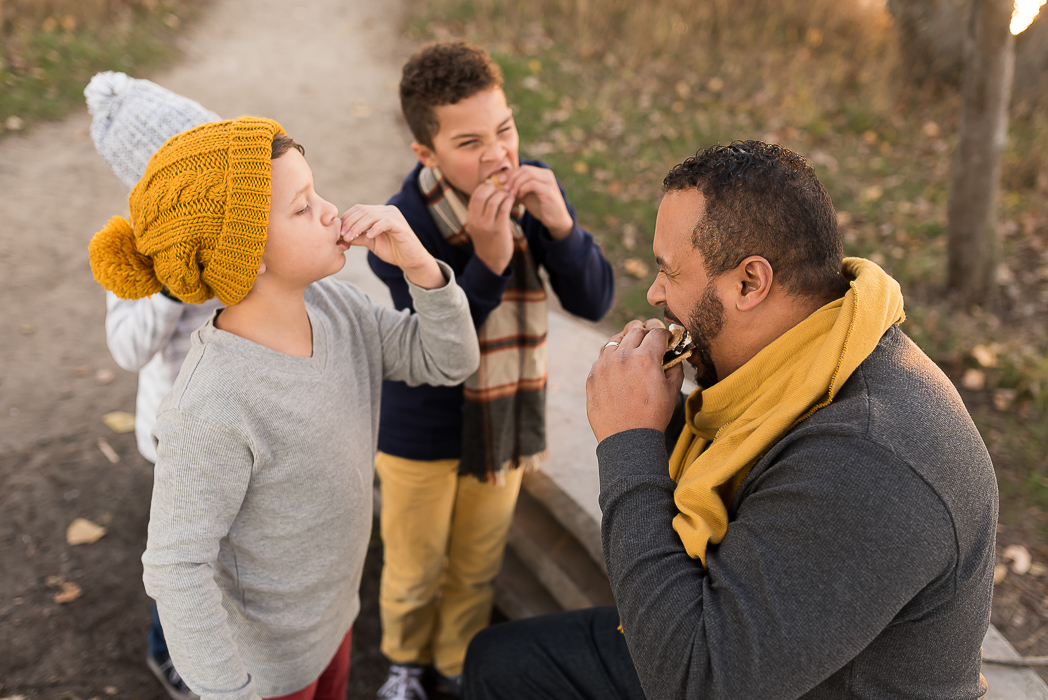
x,y
931,38
1031,65
973,248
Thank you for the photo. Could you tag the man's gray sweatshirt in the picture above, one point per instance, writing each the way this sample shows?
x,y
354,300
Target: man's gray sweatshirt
x,y
261,508
858,560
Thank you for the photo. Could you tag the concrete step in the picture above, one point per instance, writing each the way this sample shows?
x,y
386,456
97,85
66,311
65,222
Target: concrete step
x,y
518,593
563,567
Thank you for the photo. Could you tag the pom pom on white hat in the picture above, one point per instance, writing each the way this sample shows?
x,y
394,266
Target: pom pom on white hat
x,y
133,118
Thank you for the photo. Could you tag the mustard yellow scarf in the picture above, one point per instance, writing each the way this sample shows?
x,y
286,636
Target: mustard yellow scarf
x,y
733,423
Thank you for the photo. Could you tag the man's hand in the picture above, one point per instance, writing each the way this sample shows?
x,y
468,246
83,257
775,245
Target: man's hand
x,y
536,188
627,387
488,226
383,230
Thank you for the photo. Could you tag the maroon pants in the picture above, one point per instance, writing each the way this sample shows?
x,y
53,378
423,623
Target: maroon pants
x,y
332,682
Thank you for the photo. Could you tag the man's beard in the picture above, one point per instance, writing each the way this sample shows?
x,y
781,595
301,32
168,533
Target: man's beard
x,y
705,321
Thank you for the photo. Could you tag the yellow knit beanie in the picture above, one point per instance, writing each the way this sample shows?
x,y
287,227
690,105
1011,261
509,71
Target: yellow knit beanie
x,y
198,217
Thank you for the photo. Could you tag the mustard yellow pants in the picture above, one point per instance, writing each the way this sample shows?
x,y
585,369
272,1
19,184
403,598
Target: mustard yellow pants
x,y
443,537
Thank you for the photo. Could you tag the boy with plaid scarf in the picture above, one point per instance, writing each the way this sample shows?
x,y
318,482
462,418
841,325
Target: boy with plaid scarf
x,y
451,458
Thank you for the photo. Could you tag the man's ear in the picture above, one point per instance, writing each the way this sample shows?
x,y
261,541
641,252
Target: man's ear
x,y
261,268
425,154
753,279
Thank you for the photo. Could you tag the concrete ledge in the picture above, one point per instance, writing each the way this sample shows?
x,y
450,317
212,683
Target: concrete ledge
x,y
556,558
1009,682
518,594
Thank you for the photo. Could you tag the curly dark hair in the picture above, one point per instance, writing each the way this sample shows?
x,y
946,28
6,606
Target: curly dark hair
x,y
763,199
442,74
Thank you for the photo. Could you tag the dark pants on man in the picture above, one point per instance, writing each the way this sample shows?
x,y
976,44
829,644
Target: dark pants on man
x,y
573,655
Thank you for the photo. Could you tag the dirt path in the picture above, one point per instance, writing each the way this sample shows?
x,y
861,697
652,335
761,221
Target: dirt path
x,y
327,70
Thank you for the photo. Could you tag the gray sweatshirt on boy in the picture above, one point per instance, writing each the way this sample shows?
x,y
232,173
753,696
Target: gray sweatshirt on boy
x,y
261,508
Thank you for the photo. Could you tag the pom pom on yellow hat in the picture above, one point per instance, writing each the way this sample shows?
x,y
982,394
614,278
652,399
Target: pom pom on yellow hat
x,y
198,217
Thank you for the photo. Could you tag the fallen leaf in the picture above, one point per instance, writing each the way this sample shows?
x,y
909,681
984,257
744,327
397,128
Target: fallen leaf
x,y
108,451
1038,569
999,573
104,376
635,267
1004,398
580,167
14,697
83,531
70,592
973,379
985,355
629,236
54,581
715,84
119,421
872,193
13,123
1019,557
930,129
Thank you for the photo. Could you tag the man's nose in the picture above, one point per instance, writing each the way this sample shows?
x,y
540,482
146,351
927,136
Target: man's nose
x,y
656,295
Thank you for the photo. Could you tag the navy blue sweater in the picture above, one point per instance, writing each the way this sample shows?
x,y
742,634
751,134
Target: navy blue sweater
x,y
425,422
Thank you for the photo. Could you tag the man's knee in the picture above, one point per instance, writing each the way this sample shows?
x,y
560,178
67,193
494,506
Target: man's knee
x,y
486,650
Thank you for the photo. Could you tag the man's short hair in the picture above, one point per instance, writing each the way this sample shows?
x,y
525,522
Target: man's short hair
x,y
763,199
442,74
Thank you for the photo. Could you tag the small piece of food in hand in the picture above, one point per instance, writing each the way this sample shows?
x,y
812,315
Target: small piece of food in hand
x,y
498,178
679,347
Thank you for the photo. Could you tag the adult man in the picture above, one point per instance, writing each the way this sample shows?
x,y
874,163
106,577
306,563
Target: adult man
x,y
817,522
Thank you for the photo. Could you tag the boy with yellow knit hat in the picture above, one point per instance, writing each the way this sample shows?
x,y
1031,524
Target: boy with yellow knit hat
x,y
261,507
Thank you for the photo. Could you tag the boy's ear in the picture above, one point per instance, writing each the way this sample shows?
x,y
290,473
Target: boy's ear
x,y
425,154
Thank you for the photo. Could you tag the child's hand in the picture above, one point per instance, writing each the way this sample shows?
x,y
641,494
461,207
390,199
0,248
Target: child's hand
x,y
536,188
487,223
383,230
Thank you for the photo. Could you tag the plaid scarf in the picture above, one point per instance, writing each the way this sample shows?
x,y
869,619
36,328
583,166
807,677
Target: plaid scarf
x,y
504,401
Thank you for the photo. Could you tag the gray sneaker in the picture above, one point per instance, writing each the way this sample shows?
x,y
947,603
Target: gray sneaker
x,y
404,683
164,669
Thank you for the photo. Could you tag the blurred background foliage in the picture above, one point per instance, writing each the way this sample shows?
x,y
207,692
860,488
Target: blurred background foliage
x,y
612,93
49,49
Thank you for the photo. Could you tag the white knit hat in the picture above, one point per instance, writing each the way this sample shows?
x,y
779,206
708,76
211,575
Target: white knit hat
x,y
132,119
